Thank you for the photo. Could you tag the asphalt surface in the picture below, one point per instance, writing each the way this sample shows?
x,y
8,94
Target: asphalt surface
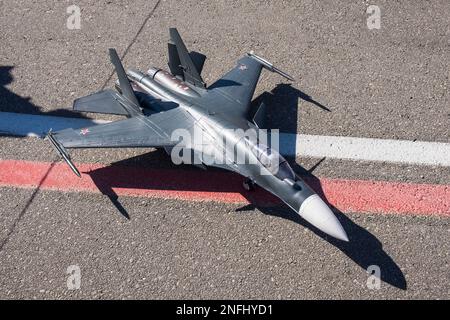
x,y
171,249
390,83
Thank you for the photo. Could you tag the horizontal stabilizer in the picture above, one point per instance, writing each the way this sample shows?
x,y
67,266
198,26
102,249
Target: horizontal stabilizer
x,y
101,102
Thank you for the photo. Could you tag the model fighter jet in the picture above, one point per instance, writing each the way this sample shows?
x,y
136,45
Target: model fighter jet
x,y
158,103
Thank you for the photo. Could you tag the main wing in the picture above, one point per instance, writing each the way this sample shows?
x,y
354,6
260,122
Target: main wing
x,y
141,131
154,130
232,94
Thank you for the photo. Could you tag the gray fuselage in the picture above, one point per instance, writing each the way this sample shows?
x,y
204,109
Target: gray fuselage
x,y
222,133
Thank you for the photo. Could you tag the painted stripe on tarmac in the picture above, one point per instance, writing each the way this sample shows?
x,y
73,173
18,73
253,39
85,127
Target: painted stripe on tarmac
x,y
193,185
350,148
366,149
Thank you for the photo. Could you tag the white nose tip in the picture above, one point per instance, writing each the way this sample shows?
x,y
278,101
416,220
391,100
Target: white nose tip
x,y
316,212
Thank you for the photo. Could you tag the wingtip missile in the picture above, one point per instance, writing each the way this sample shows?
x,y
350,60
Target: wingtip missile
x,y
282,73
60,149
269,66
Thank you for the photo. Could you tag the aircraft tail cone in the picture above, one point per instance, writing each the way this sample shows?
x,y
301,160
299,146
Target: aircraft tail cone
x,y
315,211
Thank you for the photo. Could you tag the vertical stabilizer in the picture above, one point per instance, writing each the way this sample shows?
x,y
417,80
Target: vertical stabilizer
x,y
174,60
190,72
125,86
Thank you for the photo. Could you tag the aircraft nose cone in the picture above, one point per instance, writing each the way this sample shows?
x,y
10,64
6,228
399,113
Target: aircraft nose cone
x,y
315,211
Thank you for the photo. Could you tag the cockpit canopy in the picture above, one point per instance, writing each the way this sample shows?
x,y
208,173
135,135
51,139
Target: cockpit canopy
x,y
273,162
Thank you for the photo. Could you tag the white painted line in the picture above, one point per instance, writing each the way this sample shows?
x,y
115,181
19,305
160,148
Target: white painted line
x,y
366,149
351,148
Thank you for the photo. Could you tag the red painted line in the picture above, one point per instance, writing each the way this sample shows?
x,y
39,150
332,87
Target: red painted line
x,y
345,195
